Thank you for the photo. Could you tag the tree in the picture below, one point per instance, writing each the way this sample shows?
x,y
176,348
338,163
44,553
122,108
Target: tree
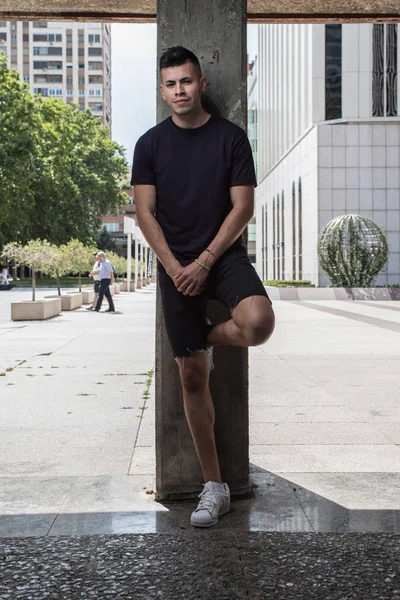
x,y
19,154
104,240
38,255
59,171
60,264
119,263
79,258
352,250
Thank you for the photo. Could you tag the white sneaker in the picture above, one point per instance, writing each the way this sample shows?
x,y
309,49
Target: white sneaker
x,y
215,501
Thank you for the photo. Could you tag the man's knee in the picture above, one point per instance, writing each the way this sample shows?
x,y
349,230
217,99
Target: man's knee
x,y
193,372
259,327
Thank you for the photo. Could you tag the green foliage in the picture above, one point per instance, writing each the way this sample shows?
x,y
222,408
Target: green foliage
x,y
118,263
105,241
352,250
38,255
288,283
59,170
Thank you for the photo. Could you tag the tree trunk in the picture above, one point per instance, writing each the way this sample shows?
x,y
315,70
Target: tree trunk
x,y
33,285
79,282
58,283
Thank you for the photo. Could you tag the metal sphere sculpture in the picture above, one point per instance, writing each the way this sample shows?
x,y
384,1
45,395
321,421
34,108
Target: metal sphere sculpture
x,y
352,250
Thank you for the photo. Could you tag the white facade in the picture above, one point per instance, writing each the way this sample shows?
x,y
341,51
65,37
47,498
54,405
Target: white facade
x,y
345,164
70,61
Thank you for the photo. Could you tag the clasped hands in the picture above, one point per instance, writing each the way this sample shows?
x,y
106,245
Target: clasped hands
x,y
190,280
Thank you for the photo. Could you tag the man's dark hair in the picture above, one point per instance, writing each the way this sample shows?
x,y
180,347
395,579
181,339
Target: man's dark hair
x,y
176,56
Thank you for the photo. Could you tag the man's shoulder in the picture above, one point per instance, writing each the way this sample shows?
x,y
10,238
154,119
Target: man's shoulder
x,y
228,126
154,132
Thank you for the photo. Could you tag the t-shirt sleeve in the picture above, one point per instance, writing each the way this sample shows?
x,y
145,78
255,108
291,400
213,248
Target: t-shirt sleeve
x,y
243,171
143,164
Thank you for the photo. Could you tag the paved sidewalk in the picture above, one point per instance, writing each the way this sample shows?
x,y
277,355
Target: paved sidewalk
x,y
77,461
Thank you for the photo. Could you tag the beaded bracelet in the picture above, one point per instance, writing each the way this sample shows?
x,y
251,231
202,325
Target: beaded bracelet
x,y
201,265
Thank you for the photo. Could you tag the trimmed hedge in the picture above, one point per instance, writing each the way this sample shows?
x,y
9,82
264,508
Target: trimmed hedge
x,y
288,283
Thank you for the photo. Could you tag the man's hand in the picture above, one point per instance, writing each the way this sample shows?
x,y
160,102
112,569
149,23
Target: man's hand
x,y
191,280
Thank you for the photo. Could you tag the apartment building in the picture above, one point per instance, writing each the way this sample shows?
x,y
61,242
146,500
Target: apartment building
x,y
328,138
70,61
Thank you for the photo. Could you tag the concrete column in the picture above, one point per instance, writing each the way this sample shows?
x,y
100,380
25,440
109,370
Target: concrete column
x,y
129,262
137,258
215,30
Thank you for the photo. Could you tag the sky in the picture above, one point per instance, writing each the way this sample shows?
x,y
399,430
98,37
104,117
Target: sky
x,y
134,80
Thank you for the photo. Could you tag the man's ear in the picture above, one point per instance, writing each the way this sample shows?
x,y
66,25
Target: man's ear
x,y
162,91
203,83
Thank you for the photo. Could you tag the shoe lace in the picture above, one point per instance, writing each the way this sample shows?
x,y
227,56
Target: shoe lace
x,y
207,500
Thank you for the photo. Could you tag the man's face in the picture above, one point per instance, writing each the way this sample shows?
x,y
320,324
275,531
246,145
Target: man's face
x,y
181,88
101,258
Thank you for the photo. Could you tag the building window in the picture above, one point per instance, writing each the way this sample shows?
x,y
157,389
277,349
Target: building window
x,y
25,37
98,92
13,37
333,72
69,38
81,80
81,51
262,243
300,222
3,37
55,37
81,38
278,238
69,51
94,39
69,93
69,80
39,24
384,70
26,78
266,241
294,259
283,234
91,92
69,67
81,65
95,51
111,227
81,93
273,239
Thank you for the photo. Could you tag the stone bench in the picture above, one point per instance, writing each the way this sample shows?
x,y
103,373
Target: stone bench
x,y
37,310
69,301
87,296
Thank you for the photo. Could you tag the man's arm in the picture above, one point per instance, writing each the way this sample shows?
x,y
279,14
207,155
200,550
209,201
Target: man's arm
x,y
145,201
189,282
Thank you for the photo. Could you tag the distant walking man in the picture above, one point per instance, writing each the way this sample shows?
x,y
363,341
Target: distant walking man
x,y
4,274
106,274
194,184
96,281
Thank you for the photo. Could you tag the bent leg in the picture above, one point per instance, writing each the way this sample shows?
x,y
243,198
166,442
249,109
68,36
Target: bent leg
x,y
107,294
199,410
252,324
101,296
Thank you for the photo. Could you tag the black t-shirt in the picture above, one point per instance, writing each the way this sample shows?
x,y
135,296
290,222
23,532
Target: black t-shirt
x,y
193,170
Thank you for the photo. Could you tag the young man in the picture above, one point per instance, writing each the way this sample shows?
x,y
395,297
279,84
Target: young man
x,y
106,274
194,193
96,281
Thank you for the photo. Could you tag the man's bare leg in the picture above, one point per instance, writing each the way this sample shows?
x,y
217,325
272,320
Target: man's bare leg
x,y
252,323
199,410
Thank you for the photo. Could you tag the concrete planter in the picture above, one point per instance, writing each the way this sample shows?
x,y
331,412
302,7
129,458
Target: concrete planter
x,y
123,286
70,301
304,294
37,310
87,296
117,288
133,288
112,290
139,284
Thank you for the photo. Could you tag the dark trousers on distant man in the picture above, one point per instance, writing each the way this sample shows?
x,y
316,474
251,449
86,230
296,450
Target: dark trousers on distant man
x,y
105,291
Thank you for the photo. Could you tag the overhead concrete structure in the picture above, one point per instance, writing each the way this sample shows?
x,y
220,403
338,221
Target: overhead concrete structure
x,y
257,10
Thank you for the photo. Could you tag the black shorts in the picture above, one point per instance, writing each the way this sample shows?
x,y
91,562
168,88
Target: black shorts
x,y
230,281
96,287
